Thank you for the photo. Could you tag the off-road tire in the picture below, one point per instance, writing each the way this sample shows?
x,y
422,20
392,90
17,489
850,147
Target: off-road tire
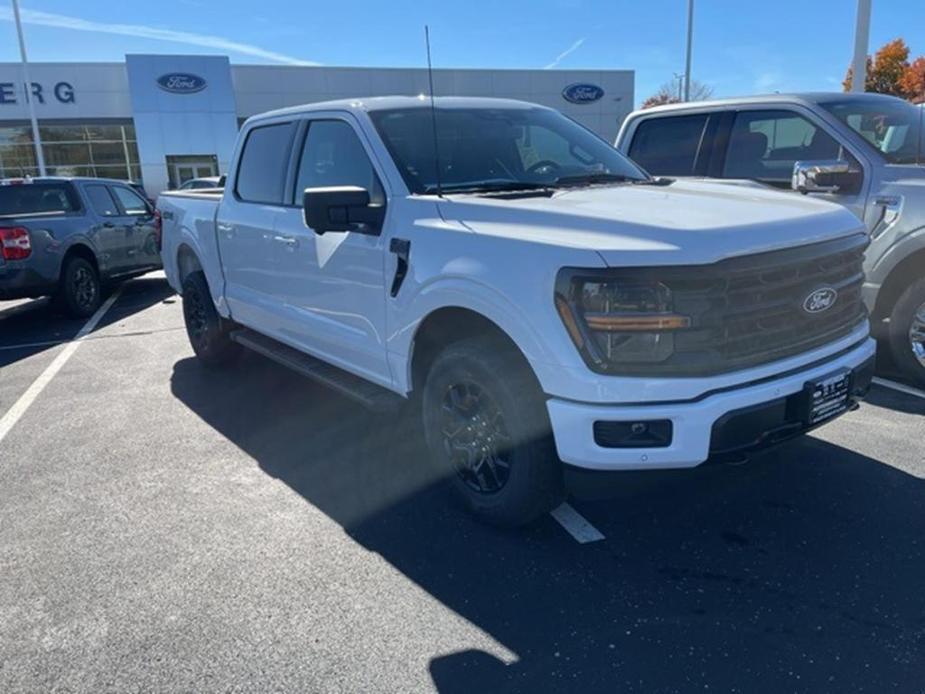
x,y
534,474
207,331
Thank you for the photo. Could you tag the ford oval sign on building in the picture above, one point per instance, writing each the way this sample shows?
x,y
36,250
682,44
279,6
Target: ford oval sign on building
x,y
181,83
582,93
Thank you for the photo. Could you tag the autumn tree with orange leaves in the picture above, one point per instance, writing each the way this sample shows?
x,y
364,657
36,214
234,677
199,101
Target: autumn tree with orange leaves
x,y
890,72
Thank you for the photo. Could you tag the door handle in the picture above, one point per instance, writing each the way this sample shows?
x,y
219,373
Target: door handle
x,y
226,229
109,225
290,241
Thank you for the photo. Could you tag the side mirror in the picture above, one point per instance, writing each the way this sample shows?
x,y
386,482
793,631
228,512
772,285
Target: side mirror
x,y
341,208
825,177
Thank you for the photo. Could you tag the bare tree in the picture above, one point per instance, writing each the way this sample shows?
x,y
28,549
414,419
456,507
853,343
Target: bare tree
x,y
672,93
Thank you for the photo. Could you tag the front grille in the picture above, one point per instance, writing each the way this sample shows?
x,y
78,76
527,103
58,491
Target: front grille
x,y
749,311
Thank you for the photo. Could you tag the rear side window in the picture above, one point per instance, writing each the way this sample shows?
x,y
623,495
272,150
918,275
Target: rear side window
x,y
262,170
764,145
101,201
38,198
668,146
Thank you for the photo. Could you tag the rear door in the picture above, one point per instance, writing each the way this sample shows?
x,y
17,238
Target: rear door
x,y
108,231
138,222
678,145
245,228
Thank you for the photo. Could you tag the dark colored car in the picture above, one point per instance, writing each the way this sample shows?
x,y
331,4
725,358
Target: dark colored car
x,y
66,237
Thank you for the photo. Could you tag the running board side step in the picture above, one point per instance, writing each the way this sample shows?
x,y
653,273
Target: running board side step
x,y
368,394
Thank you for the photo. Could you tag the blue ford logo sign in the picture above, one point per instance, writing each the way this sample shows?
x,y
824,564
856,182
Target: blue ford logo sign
x,y
820,300
181,83
582,93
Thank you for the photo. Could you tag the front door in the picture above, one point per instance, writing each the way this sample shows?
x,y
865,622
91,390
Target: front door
x,y
335,281
109,232
764,144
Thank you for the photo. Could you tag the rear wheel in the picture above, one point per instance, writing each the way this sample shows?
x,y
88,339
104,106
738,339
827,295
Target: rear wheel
x,y
207,331
79,293
907,332
486,428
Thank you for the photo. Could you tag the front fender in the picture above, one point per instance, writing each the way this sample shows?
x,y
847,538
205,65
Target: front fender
x,y
901,248
539,335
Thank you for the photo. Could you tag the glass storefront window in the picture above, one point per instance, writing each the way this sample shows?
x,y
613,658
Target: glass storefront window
x,y
99,150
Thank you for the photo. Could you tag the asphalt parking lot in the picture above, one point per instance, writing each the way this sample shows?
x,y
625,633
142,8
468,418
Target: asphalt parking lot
x,y
165,528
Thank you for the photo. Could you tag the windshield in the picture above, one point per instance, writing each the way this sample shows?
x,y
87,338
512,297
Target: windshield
x,y
498,149
892,126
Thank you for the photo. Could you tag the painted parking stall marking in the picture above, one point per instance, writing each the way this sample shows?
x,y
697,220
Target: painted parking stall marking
x,y
19,408
893,385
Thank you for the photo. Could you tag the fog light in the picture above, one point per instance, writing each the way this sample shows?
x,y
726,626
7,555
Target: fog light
x,y
652,433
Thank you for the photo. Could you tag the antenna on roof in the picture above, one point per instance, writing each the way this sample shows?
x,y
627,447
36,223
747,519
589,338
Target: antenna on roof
x,y
433,113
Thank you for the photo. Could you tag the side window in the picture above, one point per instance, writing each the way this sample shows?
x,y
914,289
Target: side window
x,y
130,200
668,146
262,169
332,155
764,145
102,201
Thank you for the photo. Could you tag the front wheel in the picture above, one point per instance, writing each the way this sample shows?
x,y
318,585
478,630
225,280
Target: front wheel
x,y
487,429
207,331
907,332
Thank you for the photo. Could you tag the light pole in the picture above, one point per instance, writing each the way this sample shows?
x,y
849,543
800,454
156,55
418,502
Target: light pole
x,y
690,36
861,38
27,91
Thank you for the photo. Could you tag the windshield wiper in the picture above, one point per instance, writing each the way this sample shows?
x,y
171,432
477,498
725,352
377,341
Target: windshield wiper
x,y
487,187
592,178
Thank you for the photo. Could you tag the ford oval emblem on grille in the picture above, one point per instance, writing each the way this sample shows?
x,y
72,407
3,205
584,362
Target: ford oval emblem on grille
x,y
181,83
820,300
582,93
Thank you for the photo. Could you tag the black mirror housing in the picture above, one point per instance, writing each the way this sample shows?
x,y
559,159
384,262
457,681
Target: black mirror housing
x,y
341,208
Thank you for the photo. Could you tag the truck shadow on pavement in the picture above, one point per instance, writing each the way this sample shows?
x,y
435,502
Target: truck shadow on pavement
x,y
801,571
34,326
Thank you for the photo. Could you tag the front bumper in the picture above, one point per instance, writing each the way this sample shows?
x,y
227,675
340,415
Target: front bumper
x,y
699,427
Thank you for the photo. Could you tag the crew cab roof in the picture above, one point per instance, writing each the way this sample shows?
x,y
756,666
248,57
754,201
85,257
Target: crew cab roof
x,y
804,98
384,103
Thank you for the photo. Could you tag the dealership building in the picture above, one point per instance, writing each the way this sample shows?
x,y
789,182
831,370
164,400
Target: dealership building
x,y
162,119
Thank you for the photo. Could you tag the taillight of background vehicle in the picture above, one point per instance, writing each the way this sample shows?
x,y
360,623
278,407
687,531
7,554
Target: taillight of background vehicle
x,y
15,243
158,229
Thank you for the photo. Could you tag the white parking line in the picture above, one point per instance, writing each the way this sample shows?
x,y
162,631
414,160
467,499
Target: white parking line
x,y
576,525
908,390
13,415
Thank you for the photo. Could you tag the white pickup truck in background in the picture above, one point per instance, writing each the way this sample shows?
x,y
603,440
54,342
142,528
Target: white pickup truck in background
x,y
536,297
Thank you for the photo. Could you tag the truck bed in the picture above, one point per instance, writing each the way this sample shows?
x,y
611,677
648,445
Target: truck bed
x,y
188,219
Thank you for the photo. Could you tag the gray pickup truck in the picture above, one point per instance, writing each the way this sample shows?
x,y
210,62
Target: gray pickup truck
x,y
864,151
65,237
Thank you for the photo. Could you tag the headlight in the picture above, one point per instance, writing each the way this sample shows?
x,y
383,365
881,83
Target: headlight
x,y
617,320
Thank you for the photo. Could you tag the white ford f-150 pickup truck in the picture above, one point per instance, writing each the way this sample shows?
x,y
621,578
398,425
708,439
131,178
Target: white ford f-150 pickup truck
x,y
540,300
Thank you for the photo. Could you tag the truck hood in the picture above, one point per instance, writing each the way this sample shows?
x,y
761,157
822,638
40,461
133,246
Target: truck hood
x,y
684,223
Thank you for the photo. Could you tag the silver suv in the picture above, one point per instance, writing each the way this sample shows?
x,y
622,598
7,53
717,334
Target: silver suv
x,y
864,151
